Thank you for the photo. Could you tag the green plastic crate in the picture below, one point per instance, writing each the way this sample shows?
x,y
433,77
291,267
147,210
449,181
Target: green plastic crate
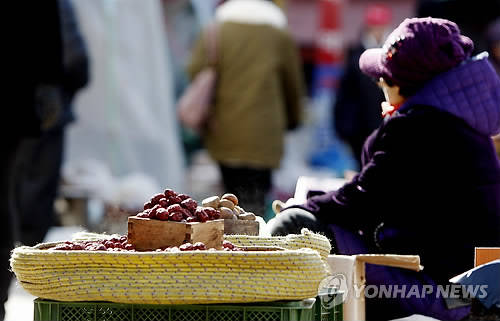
x,y
46,310
328,312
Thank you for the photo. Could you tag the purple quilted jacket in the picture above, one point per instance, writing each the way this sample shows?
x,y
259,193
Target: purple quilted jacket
x,y
470,91
430,181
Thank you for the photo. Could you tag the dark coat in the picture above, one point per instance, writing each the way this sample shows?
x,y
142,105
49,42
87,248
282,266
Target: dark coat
x,y
430,175
34,58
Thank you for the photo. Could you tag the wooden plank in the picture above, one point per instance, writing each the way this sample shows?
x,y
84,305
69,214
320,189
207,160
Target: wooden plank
x,y
148,234
241,227
484,255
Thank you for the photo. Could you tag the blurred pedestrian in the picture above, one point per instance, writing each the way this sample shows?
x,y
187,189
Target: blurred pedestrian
x,y
39,159
430,179
259,93
36,55
357,106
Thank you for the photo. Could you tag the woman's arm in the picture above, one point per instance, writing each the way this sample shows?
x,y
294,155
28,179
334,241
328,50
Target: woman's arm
x,y
366,199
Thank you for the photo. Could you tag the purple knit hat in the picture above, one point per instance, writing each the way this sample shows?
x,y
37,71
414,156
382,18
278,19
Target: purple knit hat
x,y
416,51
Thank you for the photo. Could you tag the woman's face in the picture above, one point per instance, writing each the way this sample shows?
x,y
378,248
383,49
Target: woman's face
x,y
391,93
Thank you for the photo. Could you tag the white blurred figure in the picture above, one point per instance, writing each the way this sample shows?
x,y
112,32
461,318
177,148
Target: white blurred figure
x,y
126,115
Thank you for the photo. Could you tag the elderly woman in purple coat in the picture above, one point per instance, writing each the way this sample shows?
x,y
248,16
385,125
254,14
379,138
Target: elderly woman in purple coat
x,y
430,180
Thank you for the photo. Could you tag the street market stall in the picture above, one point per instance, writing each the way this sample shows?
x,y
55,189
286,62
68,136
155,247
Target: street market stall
x,y
203,271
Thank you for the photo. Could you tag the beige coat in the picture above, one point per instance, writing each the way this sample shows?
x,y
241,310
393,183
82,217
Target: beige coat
x,y
259,86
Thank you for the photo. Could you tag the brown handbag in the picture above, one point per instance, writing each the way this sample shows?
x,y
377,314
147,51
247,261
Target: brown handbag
x,y
193,107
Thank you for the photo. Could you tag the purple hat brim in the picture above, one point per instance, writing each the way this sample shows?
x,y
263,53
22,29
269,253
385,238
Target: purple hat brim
x,y
370,63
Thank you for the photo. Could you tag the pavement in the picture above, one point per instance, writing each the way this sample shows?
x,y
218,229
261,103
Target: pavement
x,y
19,307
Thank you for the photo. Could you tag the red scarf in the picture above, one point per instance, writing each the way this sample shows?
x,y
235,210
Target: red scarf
x,y
389,112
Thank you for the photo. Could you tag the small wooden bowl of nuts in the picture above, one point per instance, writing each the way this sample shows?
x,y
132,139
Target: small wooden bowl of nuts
x,y
236,219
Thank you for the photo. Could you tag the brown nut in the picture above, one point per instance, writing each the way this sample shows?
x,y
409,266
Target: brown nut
x,y
247,217
226,203
240,209
226,213
212,201
231,197
236,211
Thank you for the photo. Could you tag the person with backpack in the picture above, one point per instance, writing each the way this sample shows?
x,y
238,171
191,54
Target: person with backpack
x,y
258,96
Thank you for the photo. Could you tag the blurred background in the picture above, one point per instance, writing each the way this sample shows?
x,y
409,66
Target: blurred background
x,y
126,142
120,68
